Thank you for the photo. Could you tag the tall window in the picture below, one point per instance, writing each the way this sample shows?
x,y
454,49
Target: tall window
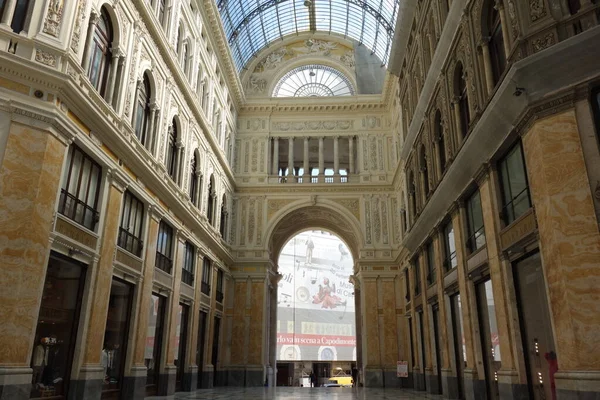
x,y
81,189
172,151
20,15
220,285
475,227
424,171
223,223
132,222
463,100
441,144
417,271
100,53
449,247
513,182
187,273
142,114
161,11
210,207
431,273
205,284
194,180
412,194
407,285
496,45
164,248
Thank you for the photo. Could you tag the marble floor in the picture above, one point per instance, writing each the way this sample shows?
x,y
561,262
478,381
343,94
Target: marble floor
x,y
284,393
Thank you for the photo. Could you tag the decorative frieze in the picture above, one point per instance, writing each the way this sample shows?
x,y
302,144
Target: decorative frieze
x,y
286,126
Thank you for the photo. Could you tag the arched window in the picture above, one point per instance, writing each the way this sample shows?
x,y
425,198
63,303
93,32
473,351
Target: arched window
x,y
100,54
438,131
205,96
161,12
172,152
142,113
463,99
313,81
412,195
424,171
195,180
184,59
223,223
178,43
496,44
210,205
20,15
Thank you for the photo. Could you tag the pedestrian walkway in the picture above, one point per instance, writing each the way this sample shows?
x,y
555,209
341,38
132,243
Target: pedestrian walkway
x,y
286,393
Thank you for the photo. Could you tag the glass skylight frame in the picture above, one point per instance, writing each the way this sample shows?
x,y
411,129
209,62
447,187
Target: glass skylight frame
x,y
251,25
326,81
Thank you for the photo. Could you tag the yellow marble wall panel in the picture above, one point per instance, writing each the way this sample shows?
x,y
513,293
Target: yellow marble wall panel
x,y
255,342
29,179
371,331
14,86
103,279
570,241
146,289
390,331
79,123
239,324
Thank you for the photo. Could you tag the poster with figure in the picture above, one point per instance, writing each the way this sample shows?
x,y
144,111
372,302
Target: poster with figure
x,y
315,310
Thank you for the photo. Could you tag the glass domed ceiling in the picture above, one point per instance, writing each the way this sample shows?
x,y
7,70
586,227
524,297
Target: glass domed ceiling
x,y
251,25
313,81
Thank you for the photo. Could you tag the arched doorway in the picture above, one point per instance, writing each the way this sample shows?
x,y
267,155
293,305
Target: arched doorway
x,y
316,321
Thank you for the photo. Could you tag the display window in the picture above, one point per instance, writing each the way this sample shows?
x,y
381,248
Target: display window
x,y
56,331
153,347
114,349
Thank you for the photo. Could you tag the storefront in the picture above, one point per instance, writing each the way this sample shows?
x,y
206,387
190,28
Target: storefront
x,y
114,350
154,342
56,331
541,359
490,343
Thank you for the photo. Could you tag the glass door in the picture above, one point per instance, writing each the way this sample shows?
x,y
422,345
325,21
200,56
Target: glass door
x,y
56,330
536,329
489,337
115,338
154,342
460,356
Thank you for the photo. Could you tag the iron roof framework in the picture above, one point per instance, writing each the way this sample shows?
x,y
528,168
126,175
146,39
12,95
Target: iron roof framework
x,y
251,25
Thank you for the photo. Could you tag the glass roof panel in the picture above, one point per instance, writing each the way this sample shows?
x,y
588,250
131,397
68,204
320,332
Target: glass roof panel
x,y
251,25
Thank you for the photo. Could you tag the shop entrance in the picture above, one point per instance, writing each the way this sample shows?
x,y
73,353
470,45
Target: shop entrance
x,y
490,344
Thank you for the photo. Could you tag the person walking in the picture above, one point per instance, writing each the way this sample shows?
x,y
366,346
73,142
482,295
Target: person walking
x,y
313,379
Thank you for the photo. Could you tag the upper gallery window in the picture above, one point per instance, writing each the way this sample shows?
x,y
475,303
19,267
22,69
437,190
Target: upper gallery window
x,y
475,226
132,222
496,44
164,247
313,81
100,54
80,189
142,116
513,181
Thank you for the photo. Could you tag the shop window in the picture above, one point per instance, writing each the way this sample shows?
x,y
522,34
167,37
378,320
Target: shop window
x,y
476,234
206,268
181,344
153,348
116,334
417,272
431,273
100,53
496,43
220,285
164,248
132,222
513,182
449,247
56,330
187,274
80,189
142,114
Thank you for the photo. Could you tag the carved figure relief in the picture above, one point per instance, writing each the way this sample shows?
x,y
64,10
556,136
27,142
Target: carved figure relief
x,y
54,17
537,9
79,16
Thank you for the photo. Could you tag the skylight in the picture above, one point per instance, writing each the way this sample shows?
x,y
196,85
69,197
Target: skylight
x,y
251,25
313,81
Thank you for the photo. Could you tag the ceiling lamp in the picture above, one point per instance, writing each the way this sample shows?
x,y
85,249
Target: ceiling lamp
x,y
307,3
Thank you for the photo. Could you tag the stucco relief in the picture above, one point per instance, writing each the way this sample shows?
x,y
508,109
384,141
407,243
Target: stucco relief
x,y
79,16
259,220
254,155
368,221
273,206
246,155
251,219
312,125
233,230
54,17
384,221
537,10
351,205
243,222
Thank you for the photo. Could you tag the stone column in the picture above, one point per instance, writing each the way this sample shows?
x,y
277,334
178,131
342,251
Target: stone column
x,y
119,88
351,155
275,170
92,373
487,64
372,371
290,158
136,376
569,245
336,155
167,377
505,24
457,120
9,11
321,158
89,36
306,177
30,174
112,74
